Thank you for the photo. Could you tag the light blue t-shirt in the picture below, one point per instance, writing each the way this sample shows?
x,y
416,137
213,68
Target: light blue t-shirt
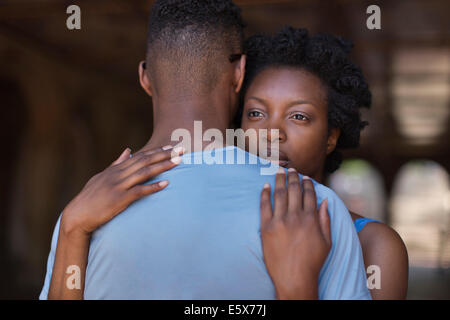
x,y
200,239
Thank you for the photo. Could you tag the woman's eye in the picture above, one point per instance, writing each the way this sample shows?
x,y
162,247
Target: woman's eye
x,y
254,114
299,116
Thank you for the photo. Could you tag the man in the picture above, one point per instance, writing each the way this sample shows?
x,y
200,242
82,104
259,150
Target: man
x,y
200,238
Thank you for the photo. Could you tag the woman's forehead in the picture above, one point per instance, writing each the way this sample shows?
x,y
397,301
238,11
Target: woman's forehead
x,y
287,83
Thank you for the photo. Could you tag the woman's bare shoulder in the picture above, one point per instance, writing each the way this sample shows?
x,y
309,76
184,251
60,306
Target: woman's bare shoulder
x,y
381,238
380,235
383,246
355,216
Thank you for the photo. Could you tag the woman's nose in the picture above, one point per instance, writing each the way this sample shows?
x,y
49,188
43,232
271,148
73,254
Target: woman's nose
x,y
275,133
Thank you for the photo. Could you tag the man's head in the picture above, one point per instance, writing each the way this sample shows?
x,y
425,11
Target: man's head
x,y
189,47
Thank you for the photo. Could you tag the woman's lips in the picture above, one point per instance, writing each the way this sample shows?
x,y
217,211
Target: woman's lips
x,y
283,163
282,160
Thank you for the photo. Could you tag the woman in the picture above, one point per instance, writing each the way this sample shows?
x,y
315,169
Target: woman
x,y
306,87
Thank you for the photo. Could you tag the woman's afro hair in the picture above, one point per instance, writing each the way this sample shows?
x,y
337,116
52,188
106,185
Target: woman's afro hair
x,y
327,57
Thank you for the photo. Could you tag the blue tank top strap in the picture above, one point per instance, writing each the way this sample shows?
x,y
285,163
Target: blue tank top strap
x,y
361,223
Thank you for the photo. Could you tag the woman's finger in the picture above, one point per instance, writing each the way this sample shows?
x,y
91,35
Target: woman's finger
x,y
165,148
146,152
124,156
294,192
265,206
145,159
324,221
309,196
141,191
280,195
147,172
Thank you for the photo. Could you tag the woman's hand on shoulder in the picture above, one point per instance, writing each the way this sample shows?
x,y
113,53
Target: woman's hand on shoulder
x,y
296,238
111,191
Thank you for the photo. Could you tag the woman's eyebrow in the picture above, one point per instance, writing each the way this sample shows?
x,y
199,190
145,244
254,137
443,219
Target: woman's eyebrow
x,y
293,103
264,102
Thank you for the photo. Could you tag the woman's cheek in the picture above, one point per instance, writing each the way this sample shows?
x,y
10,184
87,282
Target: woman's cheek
x,y
308,152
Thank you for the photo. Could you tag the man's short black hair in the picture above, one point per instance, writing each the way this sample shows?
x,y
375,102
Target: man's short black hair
x,y
327,57
188,40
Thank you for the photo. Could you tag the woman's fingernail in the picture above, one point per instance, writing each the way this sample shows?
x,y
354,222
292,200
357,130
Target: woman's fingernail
x,y
167,147
179,150
280,171
292,170
163,184
176,160
306,178
129,150
266,185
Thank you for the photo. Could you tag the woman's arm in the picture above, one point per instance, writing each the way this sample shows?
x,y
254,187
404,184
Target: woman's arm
x,y
383,247
296,238
72,250
104,196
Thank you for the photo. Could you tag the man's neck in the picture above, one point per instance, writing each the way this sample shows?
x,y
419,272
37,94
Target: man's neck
x,y
170,115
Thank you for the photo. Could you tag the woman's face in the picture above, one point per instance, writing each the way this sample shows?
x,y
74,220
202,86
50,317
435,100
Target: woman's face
x,y
293,101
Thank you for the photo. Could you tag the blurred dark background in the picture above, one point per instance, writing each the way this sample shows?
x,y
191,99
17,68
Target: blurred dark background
x,y
71,102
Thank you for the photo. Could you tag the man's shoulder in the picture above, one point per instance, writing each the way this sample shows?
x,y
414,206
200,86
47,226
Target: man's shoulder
x,y
325,192
337,209
324,189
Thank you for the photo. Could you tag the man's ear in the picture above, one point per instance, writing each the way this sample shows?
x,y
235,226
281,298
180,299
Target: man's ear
x,y
239,73
144,80
333,137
